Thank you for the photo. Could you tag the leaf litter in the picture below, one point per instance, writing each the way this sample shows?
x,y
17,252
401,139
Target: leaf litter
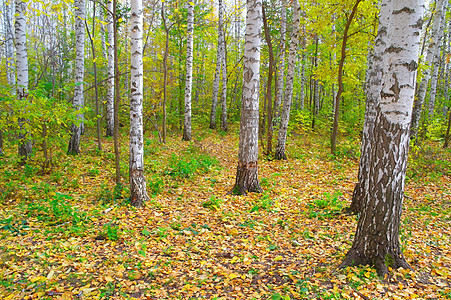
x,y
70,235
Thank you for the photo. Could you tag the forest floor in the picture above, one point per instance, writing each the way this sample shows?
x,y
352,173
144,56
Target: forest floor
x,y
68,234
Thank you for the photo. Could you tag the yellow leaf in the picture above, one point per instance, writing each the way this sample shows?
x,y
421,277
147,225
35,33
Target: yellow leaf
x,y
39,278
277,258
191,3
50,275
109,279
233,276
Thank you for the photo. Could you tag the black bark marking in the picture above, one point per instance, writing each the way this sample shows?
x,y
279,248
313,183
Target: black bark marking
x,y
404,10
412,66
395,88
394,49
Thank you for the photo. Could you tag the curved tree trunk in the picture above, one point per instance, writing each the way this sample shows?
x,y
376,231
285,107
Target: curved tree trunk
x,y
20,32
138,193
110,81
247,169
285,118
78,101
423,86
189,73
333,138
377,234
219,61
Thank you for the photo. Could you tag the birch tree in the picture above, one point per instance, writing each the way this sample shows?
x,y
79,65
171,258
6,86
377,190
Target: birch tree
x,y
219,61
431,52
281,66
9,42
78,101
373,82
110,82
138,193
376,240
224,126
285,117
436,63
189,72
247,169
20,33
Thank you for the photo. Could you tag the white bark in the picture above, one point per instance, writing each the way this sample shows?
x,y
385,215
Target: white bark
x,y
436,64
138,193
78,101
294,42
20,29
110,81
281,67
189,72
224,87
9,43
219,61
247,170
20,32
382,204
422,88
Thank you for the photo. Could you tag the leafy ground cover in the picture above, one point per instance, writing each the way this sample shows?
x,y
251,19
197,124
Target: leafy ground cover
x,y
69,234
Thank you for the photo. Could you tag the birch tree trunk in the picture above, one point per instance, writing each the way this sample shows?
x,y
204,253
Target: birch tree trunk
x,y
373,78
20,32
219,60
9,43
138,193
285,118
281,67
189,72
224,126
110,81
377,236
9,52
78,101
436,64
422,88
247,169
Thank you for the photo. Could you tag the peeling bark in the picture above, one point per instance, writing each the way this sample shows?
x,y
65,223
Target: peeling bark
x,y
110,81
78,101
285,117
377,234
247,170
138,193
189,73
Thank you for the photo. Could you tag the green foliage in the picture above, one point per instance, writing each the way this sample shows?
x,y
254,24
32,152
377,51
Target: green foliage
x,y
111,232
326,207
106,196
264,202
213,203
190,162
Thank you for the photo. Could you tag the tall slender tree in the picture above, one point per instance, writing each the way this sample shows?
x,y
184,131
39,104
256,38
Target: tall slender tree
x,y
376,241
333,138
422,87
78,101
138,193
281,63
20,32
285,117
247,169
224,126
219,61
109,113
189,72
